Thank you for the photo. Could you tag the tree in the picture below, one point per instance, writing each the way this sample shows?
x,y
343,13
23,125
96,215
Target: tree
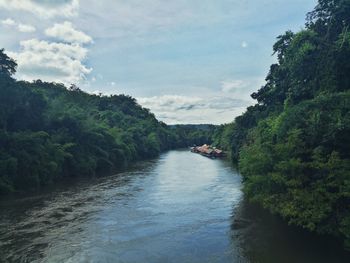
x,y
7,65
330,17
293,146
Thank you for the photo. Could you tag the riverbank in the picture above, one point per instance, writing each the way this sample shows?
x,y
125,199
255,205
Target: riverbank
x,y
49,132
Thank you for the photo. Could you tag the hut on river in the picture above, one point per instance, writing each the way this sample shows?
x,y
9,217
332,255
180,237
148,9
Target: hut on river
x,y
208,151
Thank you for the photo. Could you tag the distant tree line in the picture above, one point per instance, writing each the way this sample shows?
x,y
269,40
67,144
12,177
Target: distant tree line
x,y
49,132
293,145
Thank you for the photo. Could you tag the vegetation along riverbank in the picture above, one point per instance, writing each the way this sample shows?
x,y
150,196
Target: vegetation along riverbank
x,y
293,145
49,132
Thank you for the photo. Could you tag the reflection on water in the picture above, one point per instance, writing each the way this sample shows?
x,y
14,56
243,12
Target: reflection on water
x,y
266,238
181,207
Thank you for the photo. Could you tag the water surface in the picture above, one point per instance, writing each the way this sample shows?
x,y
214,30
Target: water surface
x,y
180,207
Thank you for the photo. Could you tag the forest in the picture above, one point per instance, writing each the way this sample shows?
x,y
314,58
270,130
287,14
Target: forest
x,y
293,146
49,132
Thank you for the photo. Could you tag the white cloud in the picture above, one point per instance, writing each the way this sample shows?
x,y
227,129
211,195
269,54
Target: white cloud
x,y
134,18
231,85
174,109
242,89
68,33
244,44
8,22
58,62
26,28
43,8
173,102
97,92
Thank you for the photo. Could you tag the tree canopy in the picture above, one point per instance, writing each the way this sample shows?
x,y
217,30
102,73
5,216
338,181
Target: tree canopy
x,y
293,146
7,65
49,132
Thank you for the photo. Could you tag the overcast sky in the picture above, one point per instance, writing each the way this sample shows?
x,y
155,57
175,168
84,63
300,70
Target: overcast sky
x,y
189,61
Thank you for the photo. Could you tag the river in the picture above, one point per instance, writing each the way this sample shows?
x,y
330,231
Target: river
x,y
180,207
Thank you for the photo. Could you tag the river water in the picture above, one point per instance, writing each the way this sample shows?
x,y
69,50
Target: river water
x,y
180,207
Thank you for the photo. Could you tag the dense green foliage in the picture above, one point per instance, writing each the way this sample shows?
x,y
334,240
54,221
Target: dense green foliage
x,y
293,146
48,132
193,134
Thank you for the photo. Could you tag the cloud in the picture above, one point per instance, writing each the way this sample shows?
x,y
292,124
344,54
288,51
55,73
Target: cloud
x,y
68,33
43,8
244,44
243,88
173,102
8,22
231,85
123,19
25,28
58,62
174,109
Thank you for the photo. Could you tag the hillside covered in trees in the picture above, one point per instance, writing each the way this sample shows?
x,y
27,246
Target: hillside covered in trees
x,y
49,132
293,145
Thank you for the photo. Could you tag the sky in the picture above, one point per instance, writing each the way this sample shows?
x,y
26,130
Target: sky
x,y
189,61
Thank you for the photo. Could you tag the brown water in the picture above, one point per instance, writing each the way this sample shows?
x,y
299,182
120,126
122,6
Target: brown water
x,y
181,207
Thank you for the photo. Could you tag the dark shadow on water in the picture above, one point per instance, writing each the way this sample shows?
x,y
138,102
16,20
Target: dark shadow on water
x,y
266,238
30,222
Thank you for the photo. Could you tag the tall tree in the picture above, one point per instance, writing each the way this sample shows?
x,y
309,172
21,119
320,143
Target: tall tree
x,y
7,65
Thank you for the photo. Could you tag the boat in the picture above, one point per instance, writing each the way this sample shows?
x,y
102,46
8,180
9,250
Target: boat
x,y
208,151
